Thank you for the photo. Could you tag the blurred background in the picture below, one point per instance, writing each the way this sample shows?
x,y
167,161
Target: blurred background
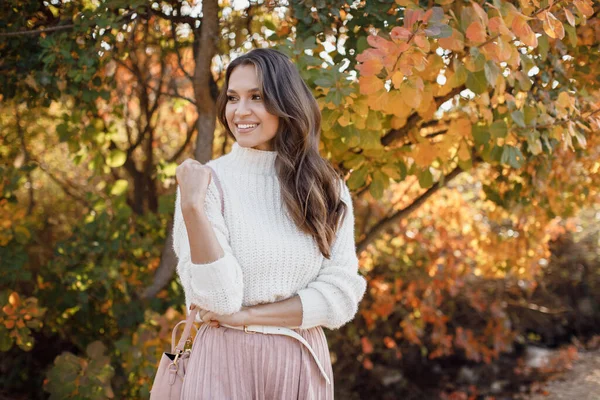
x,y
467,131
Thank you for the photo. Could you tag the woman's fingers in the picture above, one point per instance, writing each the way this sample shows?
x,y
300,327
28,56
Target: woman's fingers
x,y
207,316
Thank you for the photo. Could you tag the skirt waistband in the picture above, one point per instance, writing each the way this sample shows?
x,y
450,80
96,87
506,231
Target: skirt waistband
x,y
279,330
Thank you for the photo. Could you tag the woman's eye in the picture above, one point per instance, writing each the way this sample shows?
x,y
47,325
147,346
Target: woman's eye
x,y
230,98
257,95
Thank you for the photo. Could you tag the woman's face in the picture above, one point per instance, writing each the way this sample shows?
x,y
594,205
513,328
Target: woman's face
x,y
248,119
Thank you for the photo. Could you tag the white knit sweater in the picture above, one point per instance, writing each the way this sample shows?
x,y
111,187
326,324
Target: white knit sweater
x,y
267,258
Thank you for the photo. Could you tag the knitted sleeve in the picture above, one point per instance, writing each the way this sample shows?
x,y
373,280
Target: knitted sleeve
x,y
331,300
216,286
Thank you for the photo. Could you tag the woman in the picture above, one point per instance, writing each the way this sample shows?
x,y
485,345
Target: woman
x,y
281,254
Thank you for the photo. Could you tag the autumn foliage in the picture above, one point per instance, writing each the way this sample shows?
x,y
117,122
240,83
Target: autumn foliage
x,y
467,131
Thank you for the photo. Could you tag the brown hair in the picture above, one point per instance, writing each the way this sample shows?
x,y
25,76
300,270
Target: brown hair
x,y
310,186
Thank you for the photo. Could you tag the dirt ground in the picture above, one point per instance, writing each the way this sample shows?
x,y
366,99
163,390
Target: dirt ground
x,y
580,383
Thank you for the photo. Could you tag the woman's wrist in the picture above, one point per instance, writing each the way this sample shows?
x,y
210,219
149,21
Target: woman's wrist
x,y
247,315
195,209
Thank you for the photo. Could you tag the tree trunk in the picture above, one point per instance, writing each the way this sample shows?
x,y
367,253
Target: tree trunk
x,y
204,50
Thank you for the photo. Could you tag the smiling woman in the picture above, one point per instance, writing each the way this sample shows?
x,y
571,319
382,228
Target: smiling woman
x,y
246,114
281,258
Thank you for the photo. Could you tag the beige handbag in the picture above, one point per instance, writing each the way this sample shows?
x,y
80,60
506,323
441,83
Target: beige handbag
x,y
172,367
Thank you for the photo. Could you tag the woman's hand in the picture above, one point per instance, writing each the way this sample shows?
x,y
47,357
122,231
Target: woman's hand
x,y
239,318
193,179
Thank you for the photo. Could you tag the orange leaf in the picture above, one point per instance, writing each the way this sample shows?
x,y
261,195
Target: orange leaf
x,y
411,16
476,32
552,26
422,42
367,346
523,31
456,42
389,342
584,7
480,12
370,84
400,33
497,25
371,66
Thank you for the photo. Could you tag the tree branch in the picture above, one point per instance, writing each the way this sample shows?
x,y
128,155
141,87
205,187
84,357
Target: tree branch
x,y
386,222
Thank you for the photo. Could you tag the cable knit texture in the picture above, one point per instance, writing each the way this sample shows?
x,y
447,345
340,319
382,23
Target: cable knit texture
x,y
267,258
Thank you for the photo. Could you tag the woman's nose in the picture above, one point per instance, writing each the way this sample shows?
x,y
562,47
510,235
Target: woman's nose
x,y
242,109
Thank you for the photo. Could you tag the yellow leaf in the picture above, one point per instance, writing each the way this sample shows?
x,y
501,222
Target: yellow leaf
x,y
460,127
424,154
397,79
14,299
412,91
361,107
463,151
397,122
344,119
378,100
395,104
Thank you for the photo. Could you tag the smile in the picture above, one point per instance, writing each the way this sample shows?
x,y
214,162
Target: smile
x,y
244,128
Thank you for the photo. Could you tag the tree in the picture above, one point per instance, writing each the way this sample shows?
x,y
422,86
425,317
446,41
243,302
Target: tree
x,y
425,105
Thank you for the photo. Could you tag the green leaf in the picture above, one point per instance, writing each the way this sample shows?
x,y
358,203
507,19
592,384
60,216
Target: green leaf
x,y
530,114
119,187
499,129
518,118
534,143
460,75
492,195
491,72
543,46
358,178
116,158
377,184
361,44
324,82
476,82
425,178
480,133
512,156
571,35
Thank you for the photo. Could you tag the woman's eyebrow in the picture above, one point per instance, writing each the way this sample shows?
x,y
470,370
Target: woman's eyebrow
x,y
249,91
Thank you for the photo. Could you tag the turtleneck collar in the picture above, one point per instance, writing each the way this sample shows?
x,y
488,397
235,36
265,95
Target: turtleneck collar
x,y
251,160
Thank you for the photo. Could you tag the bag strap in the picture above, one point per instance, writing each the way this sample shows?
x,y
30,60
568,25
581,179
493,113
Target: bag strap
x,y
218,183
189,322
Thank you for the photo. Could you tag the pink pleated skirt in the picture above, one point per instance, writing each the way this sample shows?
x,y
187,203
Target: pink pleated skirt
x,y
232,364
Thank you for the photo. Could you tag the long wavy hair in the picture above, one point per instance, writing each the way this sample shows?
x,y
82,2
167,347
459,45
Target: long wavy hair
x,y
310,186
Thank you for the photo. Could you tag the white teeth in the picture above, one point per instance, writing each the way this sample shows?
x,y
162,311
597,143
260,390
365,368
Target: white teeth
x,y
247,126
